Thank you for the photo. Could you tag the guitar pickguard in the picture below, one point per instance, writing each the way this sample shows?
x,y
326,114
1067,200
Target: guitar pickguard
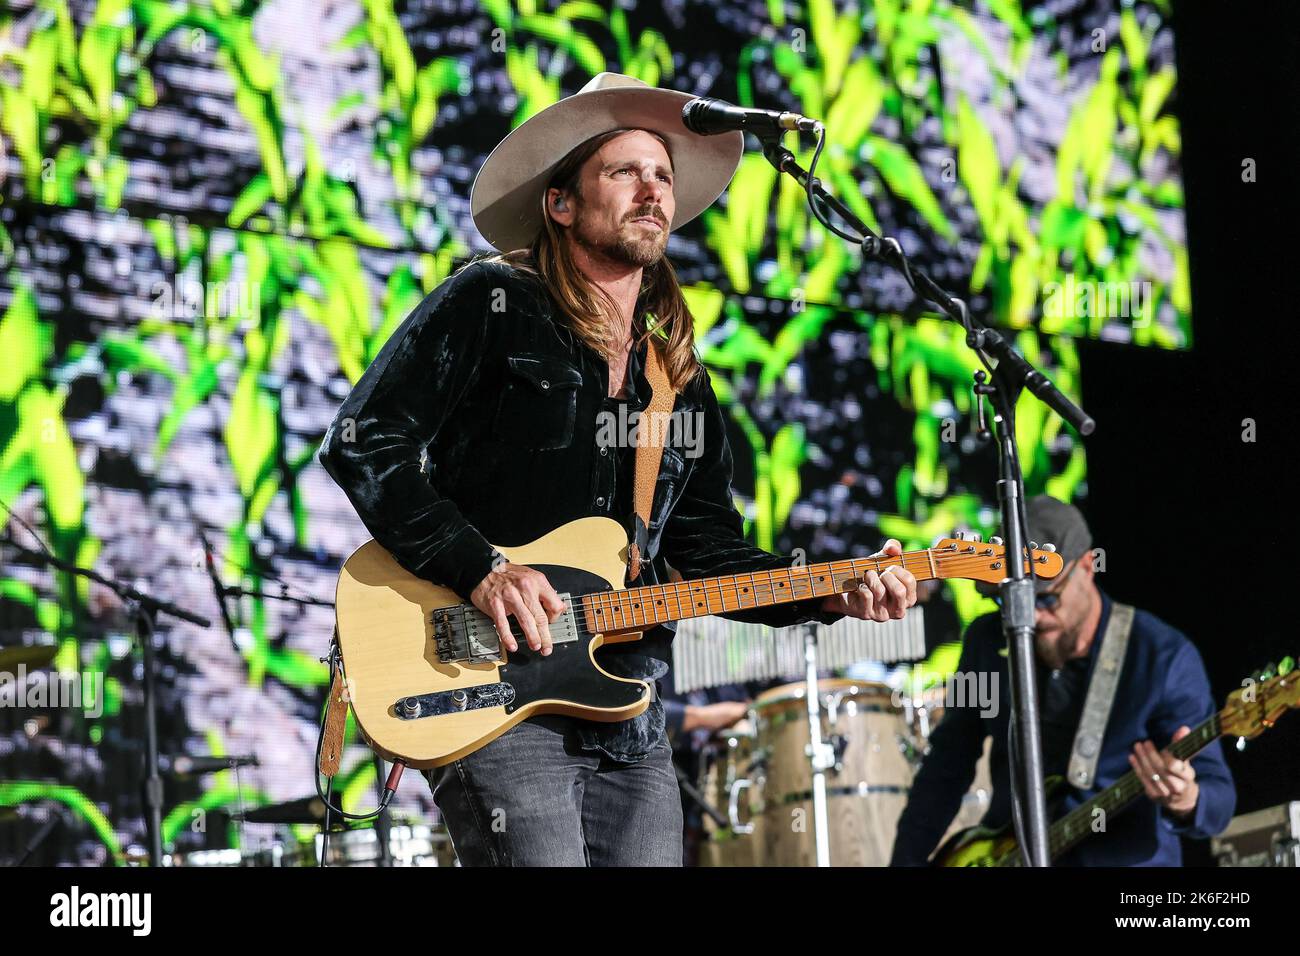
x,y
570,674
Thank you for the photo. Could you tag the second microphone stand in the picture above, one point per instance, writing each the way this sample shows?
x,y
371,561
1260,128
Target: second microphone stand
x,y
144,609
1010,375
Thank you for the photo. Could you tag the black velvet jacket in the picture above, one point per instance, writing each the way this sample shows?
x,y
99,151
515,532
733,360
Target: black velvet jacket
x,y
478,422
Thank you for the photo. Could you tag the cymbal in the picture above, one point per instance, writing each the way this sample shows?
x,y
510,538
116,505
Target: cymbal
x,y
32,655
302,810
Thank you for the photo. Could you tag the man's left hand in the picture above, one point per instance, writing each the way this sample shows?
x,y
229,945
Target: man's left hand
x,y
1168,781
880,596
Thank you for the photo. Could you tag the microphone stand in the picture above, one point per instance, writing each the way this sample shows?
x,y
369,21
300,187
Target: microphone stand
x,y
144,609
1010,374
234,590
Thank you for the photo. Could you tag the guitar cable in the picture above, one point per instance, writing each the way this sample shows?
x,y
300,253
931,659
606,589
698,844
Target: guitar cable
x,y
1017,810
335,659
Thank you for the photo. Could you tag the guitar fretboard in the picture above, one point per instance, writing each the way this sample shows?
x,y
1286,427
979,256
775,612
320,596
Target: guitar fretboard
x,y
1075,826
641,607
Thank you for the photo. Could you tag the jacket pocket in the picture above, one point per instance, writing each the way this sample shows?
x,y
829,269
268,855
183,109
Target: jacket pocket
x,y
540,402
668,486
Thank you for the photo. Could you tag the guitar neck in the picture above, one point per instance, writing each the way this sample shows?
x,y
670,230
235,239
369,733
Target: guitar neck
x,y
1075,826
637,608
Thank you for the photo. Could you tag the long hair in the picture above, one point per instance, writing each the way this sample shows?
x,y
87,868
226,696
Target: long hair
x,y
661,312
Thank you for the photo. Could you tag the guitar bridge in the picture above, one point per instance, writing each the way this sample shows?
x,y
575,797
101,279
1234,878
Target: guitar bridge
x,y
462,634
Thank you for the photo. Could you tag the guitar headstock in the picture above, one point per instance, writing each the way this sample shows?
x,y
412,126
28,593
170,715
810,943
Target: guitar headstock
x,y
978,561
1261,701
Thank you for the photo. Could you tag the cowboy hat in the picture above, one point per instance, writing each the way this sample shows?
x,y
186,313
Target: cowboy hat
x,y
506,198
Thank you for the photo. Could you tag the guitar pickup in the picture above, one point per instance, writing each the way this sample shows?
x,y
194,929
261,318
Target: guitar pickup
x,y
463,634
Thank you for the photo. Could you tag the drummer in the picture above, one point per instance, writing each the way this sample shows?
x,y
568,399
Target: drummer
x,y
693,719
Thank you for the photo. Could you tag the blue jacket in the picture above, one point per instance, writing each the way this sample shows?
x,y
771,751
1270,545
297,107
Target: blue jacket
x,y
1162,687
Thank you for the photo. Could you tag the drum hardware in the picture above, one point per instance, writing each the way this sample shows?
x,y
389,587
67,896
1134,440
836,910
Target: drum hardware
x,y
710,651
822,755
839,743
303,810
30,656
691,791
848,790
866,787
206,858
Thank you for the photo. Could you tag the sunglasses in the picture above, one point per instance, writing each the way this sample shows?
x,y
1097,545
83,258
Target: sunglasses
x,y
1048,600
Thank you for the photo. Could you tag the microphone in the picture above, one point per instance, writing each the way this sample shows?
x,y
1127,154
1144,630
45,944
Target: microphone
x,y
708,117
182,766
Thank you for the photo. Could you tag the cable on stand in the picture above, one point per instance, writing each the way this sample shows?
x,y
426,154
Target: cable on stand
x,y
1008,374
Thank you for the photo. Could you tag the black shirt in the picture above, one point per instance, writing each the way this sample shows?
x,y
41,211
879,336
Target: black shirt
x,y
477,422
1061,695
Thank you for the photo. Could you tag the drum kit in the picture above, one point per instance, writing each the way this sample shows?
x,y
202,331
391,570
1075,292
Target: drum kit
x,y
408,845
763,772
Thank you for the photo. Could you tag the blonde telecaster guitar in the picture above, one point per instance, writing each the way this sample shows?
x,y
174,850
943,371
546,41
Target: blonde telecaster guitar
x,y
430,682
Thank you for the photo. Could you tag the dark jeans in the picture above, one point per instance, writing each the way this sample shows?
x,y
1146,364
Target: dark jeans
x,y
534,797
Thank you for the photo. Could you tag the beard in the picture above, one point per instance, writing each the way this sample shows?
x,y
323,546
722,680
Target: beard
x,y
1062,639
628,245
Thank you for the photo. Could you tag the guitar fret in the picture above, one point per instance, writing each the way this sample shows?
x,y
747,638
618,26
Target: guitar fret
x,y
627,610
663,603
1075,825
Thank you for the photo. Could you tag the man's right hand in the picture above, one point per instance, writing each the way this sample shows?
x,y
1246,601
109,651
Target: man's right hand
x,y
525,593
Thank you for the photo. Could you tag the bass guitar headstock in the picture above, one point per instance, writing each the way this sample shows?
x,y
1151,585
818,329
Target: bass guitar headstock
x,y
1261,701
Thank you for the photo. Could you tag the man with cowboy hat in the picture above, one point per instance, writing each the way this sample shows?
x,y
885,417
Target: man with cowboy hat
x,y
478,421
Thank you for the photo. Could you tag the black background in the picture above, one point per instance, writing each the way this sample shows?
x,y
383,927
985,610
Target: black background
x,y
1196,523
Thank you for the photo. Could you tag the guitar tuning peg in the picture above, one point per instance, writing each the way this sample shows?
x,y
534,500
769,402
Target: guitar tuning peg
x,y
1033,545
977,537
1241,744
995,540
1286,665
1049,548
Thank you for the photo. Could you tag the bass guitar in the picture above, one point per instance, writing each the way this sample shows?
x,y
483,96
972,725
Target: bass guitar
x,y
1248,713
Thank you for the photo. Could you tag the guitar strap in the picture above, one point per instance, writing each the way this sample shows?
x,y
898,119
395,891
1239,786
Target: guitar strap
x,y
1101,697
336,717
650,434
